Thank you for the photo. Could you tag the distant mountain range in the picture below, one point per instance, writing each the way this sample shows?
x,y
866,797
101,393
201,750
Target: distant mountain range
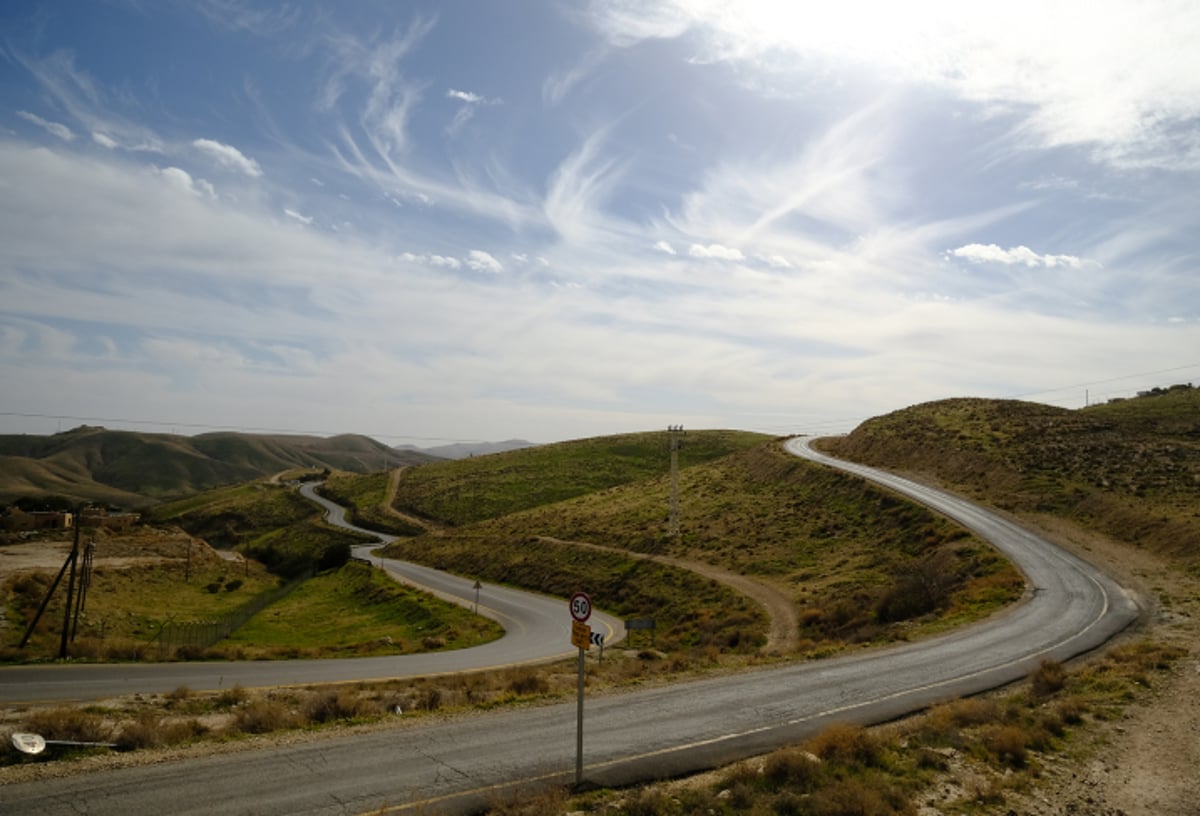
x,y
464,450
133,469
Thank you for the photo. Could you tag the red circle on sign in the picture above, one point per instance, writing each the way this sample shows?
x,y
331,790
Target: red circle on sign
x,y
581,607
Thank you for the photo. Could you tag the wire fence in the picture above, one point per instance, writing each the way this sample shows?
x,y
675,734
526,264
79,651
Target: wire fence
x,y
197,635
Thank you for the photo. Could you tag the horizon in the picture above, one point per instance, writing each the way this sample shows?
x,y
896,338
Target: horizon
x,y
554,220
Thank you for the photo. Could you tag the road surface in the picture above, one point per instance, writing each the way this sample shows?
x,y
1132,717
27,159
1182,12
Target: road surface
x,y
456,765
537,629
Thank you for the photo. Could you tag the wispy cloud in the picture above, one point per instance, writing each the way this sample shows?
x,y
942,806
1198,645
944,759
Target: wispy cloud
x,y
228,157
1125,83
53,128
466,111
241,16
579,186
306,220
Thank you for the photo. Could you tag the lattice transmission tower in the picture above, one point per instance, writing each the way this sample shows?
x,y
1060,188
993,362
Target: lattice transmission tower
x,y
675,442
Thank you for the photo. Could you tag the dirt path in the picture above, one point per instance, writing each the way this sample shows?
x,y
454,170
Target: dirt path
x,y
783,634
390,498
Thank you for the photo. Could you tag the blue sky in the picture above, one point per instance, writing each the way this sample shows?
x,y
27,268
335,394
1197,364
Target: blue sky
x,y
430,221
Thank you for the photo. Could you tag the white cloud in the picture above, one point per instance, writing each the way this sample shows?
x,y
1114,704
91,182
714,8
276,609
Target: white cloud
x,y
303,219
717,251
182,180
104,140
439,261
663,246
776,261
53,128
990,253
228,156
482,261
464,96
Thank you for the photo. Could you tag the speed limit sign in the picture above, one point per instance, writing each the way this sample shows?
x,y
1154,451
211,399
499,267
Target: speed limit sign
x,y
581,607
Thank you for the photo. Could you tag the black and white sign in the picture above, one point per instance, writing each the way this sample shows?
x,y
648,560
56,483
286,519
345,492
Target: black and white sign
x,y
597,638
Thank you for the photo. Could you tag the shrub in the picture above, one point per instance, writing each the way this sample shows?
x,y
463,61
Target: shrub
x,y
262,717
527,681
73,724
1008,744
331,705
230,697
860,796
1048,678
794,768
847,744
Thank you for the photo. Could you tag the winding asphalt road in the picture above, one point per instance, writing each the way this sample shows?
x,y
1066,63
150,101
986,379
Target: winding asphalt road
x,y
458,764
537,629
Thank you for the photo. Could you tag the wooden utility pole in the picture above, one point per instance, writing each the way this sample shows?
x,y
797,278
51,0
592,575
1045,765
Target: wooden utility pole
x,y
73,559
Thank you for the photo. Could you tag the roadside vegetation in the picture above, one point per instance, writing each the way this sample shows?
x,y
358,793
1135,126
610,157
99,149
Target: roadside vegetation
x,y
965,756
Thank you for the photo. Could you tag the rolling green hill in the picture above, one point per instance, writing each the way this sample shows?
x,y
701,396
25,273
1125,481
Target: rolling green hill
x,y
1129,469
134,469
484,487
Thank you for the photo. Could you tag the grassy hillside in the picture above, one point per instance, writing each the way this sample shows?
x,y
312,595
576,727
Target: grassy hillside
x,y
137,469
1128,469
860,563
270,523
364,495
483,487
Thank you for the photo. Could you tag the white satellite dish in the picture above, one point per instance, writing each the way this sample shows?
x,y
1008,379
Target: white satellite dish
x,y
28,743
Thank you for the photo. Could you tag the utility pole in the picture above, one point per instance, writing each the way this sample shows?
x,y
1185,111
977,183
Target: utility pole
x,y
675,440
73,559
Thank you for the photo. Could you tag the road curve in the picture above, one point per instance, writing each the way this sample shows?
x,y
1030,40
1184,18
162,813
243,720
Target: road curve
x,y
456,765
537,630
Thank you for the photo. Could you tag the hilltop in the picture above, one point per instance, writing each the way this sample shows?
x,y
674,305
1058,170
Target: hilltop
x,y
134,469
1128,469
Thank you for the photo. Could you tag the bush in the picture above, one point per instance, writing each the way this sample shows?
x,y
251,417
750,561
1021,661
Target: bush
x,y
1048,678
332,705
1008,744
527,681
262,717
848,745
794,768
73,724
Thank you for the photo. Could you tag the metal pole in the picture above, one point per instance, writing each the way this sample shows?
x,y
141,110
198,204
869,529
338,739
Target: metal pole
x,y
579,727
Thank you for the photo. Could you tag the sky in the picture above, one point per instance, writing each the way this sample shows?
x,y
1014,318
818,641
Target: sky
x,y
446,221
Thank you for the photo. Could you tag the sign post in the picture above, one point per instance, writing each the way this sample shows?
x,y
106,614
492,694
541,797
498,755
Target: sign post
x,y
581,636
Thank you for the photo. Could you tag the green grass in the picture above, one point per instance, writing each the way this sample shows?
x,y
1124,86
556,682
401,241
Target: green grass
x,y
126,607
485,487
355,611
